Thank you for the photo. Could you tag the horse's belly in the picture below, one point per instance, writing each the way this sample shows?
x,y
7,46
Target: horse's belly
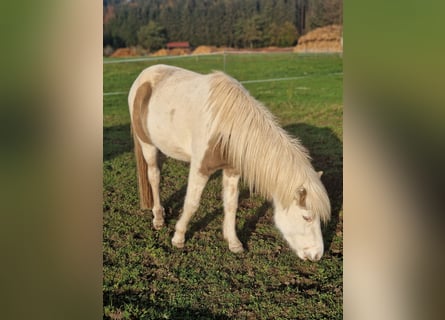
x,y
171,144
171,134
173,150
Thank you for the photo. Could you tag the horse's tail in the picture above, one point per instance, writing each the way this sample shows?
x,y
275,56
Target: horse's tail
x,y
140,133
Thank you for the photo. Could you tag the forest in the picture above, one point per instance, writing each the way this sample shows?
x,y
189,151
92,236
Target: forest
x,y
150,24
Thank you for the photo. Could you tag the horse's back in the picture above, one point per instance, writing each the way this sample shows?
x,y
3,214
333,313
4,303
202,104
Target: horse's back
x,y
176,119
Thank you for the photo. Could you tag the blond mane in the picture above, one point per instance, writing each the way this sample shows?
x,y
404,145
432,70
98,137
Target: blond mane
x,y
270,161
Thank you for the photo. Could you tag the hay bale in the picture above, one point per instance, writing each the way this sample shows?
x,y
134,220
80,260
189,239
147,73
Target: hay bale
x,y
211,49
325,39
178,52
172,52
124,52
160,53
204,50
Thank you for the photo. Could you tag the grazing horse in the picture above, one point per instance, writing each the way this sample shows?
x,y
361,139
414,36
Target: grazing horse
x,y
213,122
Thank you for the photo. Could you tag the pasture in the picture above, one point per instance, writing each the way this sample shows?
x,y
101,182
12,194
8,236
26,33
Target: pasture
x,y
144,277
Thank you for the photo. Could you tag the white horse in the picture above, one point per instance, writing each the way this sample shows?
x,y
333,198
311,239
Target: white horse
x,y
212,122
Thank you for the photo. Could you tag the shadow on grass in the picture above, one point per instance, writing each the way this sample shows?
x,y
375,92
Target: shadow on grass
x,y
203,222
326,151
173,205
206,219
249,227
116,140
159,310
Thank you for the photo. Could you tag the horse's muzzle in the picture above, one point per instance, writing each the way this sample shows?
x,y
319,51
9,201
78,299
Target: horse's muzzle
x,y
312,254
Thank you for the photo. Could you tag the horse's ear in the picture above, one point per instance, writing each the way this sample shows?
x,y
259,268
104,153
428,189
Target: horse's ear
x,y
301,195
320,173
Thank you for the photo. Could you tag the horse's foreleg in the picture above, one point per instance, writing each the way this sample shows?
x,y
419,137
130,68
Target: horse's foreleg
x,y
195,186
230,196
154,176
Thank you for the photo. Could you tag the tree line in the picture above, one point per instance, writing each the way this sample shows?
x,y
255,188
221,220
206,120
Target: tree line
x,y
231,23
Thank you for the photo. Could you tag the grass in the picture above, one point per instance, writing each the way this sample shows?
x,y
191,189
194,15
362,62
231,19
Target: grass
x,y
146,278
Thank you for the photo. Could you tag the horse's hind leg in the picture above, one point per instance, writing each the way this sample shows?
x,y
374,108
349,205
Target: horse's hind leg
x,y
230,196
195,186
154,177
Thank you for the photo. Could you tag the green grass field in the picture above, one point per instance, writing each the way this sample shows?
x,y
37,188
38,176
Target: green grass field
x,y
144,277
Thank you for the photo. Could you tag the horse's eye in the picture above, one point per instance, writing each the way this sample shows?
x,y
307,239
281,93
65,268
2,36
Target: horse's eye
x,y
308,219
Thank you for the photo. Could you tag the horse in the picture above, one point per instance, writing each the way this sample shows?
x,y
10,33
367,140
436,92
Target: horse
x,y
212,122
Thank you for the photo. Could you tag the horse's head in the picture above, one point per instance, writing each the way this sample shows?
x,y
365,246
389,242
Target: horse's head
x,y
300,226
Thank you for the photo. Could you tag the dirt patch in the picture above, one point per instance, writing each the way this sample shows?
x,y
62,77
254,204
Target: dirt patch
x,y
275,49
325,39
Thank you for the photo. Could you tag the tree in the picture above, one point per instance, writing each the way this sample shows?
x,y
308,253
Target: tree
x,y
288,35
152,36
324,12
283,35
234,23
251,31
301,9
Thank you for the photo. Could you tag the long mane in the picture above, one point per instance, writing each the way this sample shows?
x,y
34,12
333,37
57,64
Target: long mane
x,y
270,161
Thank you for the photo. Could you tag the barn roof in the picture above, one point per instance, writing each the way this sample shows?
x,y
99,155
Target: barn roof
x,y
179,44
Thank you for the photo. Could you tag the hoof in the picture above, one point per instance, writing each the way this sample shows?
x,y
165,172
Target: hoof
x,y
158,224
158,218
238,248
178,245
